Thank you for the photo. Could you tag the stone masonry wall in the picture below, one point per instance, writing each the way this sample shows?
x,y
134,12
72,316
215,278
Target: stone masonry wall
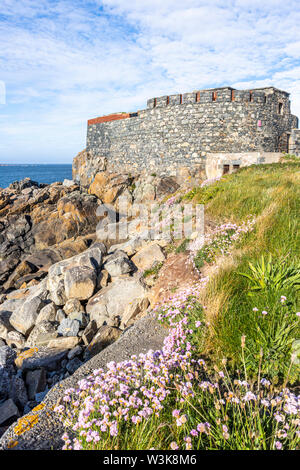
x,y
295,142
180,131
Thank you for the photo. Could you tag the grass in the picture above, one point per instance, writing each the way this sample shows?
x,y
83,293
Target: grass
x,y
154,271
271,193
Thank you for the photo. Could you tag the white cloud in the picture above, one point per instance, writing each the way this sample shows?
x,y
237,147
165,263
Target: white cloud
x,y
66,61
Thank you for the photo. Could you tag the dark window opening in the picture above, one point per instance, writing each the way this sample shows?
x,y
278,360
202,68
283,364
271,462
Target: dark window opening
x,y
225,169
198,97
180,99
280,108
155,102
251,96
232,95
265,99
236,167
214,95
168,99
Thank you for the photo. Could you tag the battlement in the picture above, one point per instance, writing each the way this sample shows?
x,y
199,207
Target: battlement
x,y
221,95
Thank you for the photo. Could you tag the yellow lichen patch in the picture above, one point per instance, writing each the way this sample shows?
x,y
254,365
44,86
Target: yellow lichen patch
x,y
38,408
12,444
25,423
25,355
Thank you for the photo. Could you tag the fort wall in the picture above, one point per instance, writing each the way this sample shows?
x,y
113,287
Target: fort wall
x,y
182,131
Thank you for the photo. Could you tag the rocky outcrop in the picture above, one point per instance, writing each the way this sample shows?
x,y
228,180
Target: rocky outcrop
x,y
65,297
40,225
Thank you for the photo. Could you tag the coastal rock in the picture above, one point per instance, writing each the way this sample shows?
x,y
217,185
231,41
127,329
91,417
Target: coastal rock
x,y
118,263
105,336
80,282
75,352
148,256
89,332
109,186
137,307
15,339
91,258
47,313
24,319
18,392
8,412
69,327
41,334
112,300
35,358
64,342
36,382
73,365
73,305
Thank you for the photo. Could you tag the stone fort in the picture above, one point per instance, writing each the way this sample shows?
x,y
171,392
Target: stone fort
x,y
212,132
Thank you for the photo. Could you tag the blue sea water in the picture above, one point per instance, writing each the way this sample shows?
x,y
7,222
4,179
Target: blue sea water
x,y
40,173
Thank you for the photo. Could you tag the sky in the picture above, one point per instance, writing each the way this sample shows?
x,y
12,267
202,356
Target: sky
x,y
63,62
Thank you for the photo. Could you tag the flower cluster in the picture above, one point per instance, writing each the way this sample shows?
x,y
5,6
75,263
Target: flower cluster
x,y
157,398
218,242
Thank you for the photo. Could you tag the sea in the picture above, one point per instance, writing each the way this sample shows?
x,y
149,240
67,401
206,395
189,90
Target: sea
x,y
39,173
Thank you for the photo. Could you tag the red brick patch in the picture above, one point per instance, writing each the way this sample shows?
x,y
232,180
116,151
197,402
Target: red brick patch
x,y
110,117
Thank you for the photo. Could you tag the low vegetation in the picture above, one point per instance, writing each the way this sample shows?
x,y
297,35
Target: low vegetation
x,y
228,374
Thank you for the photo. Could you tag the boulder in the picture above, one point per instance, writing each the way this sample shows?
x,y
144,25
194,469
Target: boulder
x,y
56,287
60,316
68,327
76,351
18,392
35,358
105,336
81,317
91,258
148,256
15,339
132,310
112,300
8,412
131,246
47,313
7,370
64,342
5,326
89,332
73,365
24,319
73,305
41,334
36,382
118,263
80,282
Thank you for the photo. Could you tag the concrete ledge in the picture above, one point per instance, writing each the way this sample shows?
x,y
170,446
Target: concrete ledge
x,y
40,429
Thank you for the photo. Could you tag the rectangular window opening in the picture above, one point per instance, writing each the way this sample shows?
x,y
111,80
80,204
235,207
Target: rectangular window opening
x,y
155,102
226,169
214,96
236,167
280,108
168,99
197,96
180,99
232,95
251,96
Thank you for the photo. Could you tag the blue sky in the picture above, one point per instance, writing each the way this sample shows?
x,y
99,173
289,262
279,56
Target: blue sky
x,y
63,62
